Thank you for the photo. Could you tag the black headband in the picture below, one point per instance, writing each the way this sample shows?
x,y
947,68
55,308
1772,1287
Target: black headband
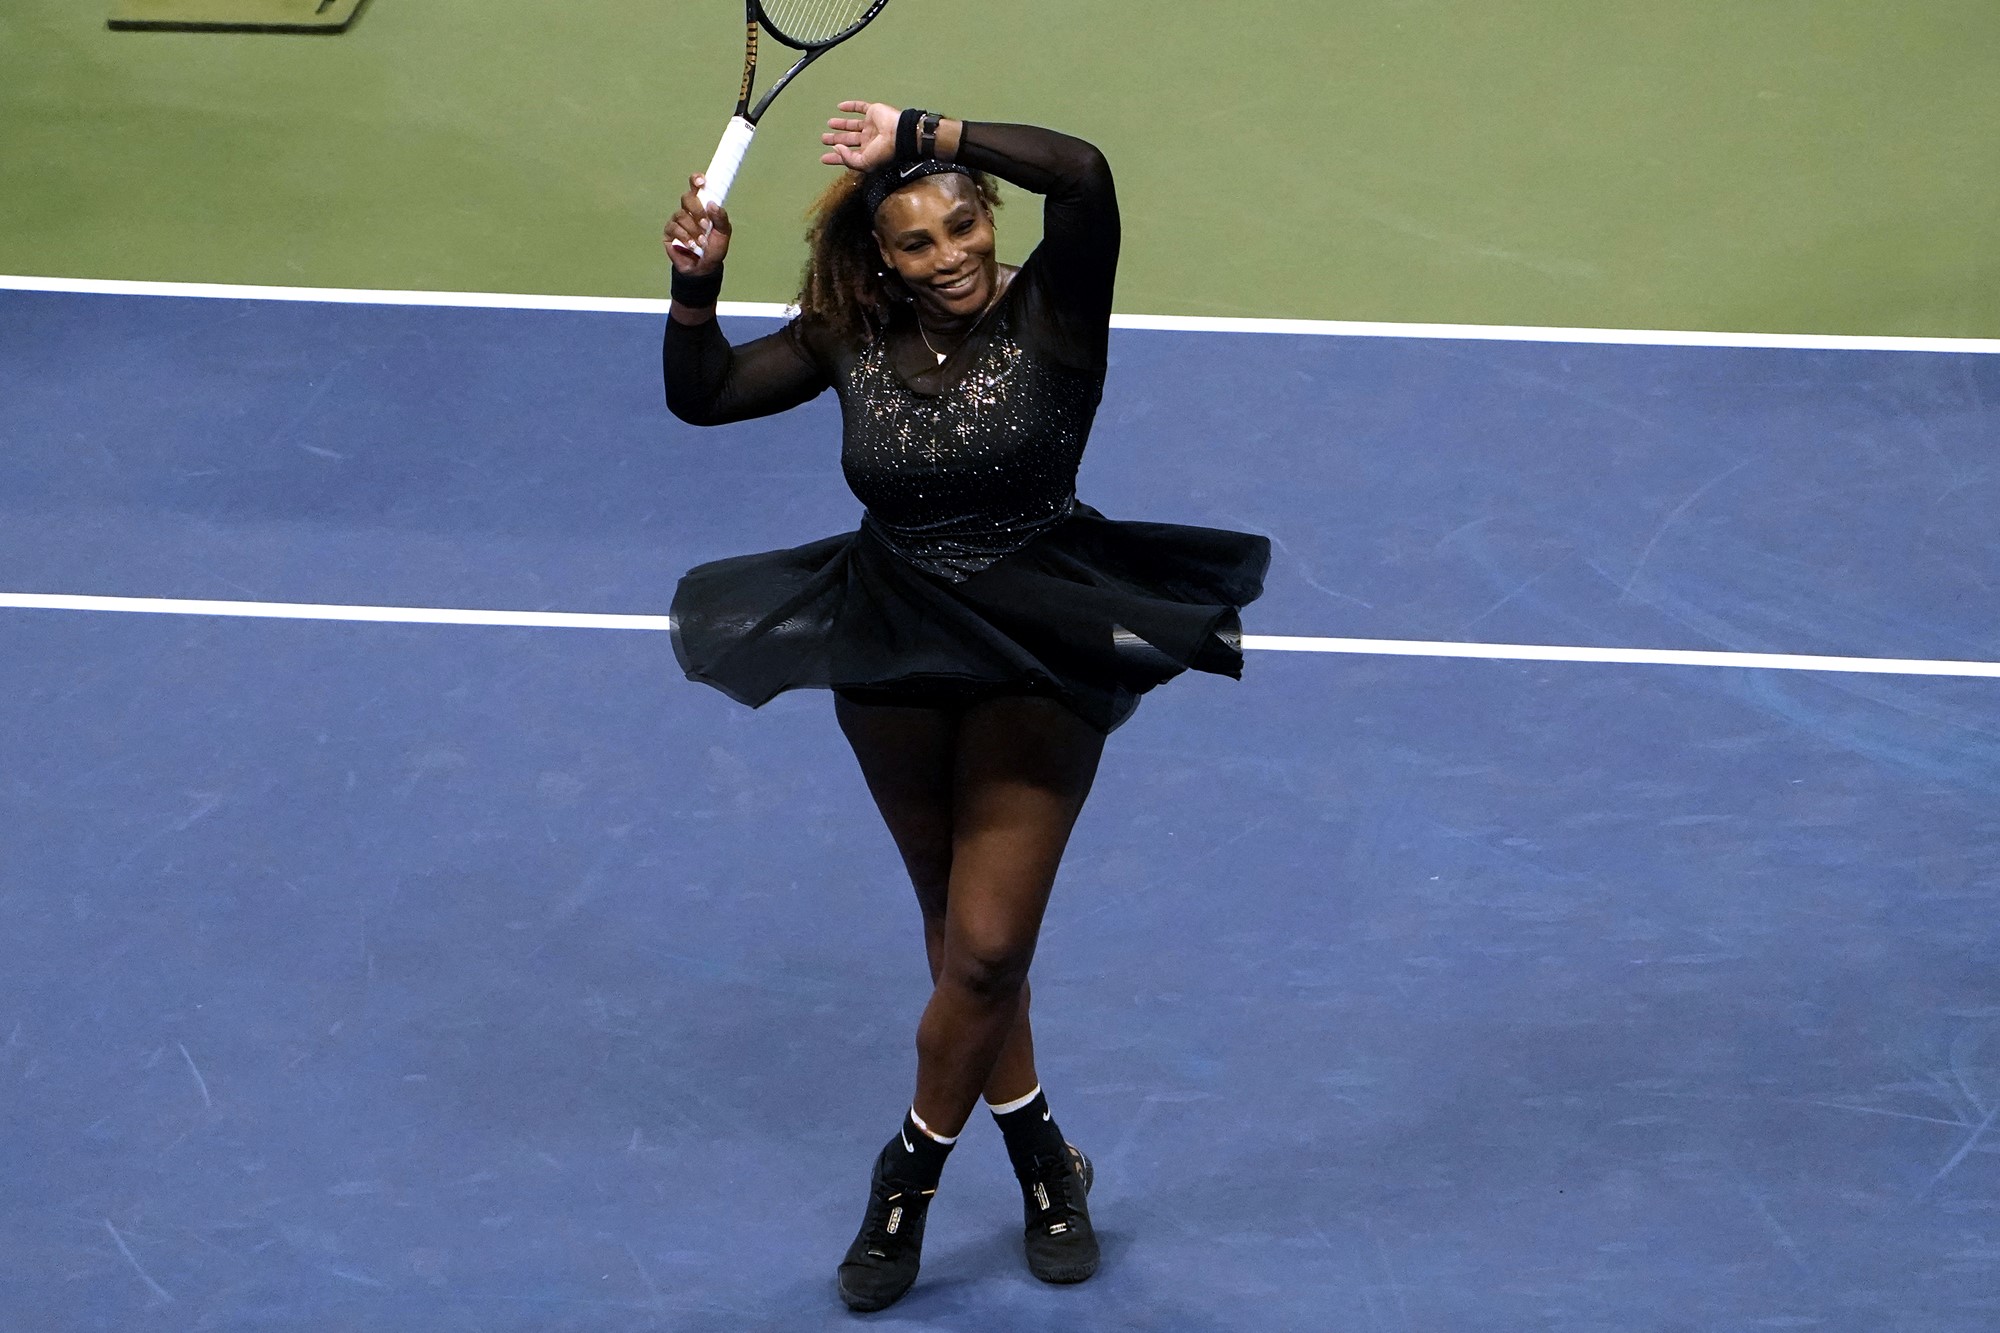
x,y
884,181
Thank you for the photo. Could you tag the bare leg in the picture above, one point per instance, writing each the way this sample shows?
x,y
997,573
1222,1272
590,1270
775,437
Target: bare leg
x,y
907,758
1023,768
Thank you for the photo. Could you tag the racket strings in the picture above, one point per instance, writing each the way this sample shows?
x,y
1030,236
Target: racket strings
x,y
810,22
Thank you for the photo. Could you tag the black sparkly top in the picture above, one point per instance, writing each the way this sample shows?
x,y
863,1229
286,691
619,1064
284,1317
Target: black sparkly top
x,y
962,462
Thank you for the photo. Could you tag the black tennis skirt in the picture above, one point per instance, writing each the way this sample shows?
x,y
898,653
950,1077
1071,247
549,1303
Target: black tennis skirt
x,y
1093,613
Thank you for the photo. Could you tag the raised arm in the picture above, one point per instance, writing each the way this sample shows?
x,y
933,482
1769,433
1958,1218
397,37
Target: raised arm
x,y
711,383
1079,250
708,381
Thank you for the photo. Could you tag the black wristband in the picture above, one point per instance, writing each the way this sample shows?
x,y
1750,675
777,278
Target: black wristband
x,y
906,135
927,130
697,291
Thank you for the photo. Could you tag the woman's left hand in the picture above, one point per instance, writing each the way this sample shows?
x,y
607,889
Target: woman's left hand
x,y
864,140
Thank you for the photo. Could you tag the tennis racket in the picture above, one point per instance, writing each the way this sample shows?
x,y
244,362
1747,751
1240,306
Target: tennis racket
x,y
810,27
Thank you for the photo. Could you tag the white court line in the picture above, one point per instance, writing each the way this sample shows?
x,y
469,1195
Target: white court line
x,y
395,615
1533,652
1167,323
1511,652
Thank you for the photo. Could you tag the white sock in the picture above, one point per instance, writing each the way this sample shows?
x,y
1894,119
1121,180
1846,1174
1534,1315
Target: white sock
x,y
930,1133
1019,1102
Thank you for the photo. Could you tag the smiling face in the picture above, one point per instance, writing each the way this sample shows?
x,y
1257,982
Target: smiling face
x,y
937,236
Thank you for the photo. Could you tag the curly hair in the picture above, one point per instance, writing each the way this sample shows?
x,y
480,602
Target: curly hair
x,y
843,286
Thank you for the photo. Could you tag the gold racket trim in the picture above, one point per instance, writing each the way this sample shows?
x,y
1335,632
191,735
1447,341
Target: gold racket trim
x,y
749,62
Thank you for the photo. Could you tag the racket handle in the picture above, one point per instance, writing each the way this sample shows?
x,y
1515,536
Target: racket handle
x,y
728,159
722,168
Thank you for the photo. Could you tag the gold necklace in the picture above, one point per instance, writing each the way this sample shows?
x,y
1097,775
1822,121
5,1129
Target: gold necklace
x,y
927,342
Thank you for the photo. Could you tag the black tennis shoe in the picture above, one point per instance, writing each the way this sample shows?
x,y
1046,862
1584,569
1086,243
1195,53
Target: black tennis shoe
x,y
882,1262
1062,1247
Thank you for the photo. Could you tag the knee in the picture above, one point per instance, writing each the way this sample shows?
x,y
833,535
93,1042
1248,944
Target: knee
x,y
991,970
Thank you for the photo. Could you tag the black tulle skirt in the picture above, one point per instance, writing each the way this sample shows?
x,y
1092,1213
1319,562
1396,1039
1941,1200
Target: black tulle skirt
x,y
1094,613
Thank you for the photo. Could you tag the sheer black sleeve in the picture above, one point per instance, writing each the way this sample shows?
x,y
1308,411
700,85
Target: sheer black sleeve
x,y
1072,271
711,383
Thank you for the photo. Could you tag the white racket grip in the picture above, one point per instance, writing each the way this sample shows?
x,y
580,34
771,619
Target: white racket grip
x,y
728,160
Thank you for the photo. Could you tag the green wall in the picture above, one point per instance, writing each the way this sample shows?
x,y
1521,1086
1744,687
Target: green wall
x,y
1773,165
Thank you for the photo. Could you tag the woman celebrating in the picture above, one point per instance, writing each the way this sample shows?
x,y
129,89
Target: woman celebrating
x,y
983,630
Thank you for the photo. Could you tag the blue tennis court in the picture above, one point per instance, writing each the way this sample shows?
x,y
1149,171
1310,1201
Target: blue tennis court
x,y
426,976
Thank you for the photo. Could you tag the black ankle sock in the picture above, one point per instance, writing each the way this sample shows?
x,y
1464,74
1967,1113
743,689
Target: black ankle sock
x,y
914,1158
1030,1133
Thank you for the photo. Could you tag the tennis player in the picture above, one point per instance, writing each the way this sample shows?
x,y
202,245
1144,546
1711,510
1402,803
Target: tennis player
x,y
983,630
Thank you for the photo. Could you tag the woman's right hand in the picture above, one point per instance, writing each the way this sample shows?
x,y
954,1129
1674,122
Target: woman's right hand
x,y
695,224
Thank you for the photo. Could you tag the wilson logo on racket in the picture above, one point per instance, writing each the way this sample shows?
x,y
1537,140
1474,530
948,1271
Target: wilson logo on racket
x,y
749,64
